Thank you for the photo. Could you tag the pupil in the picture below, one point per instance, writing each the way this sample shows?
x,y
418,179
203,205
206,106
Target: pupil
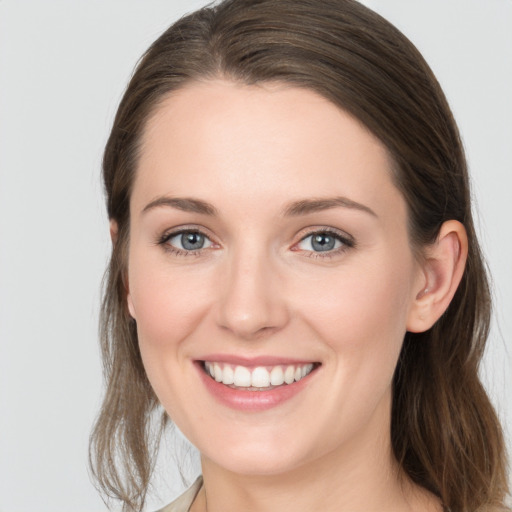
x,y
192,241
323,242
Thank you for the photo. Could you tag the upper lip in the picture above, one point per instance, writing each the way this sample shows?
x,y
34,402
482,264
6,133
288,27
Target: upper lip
x,y
264,360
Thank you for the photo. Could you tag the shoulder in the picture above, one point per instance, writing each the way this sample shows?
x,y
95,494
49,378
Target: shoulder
x,y
183,503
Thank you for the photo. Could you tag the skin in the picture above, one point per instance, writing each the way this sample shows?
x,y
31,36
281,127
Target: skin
x,y
258,288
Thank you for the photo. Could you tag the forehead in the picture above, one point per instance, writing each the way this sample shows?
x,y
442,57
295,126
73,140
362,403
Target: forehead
x,y
265,141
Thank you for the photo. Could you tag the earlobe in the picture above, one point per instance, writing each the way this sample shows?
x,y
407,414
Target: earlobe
x,y
131,309
443,269
114,230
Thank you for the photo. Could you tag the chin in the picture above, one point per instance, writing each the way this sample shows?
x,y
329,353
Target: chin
x,y
258,458
257,464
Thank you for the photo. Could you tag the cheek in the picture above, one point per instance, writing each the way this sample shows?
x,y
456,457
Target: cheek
x,y
360,315
362,310
168,303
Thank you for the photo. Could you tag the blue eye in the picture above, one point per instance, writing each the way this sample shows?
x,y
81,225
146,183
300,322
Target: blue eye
x,y
188,241
323,241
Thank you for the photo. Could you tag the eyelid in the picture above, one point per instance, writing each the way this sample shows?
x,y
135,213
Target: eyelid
x,y
180,235
314,230
185,228
347,241
170,233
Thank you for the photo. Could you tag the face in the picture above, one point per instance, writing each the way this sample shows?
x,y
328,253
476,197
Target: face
x,y
270,275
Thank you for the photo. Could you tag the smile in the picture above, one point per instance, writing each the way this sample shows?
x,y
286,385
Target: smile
x,y
257,385
260,378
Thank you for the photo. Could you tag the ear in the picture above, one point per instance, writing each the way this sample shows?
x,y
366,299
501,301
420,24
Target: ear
x,y
443,268
114,232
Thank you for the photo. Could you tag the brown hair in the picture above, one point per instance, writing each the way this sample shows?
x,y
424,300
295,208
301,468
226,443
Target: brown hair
x,y
445,433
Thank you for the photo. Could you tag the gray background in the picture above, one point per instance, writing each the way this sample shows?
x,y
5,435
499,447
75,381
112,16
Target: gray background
x,y
63,67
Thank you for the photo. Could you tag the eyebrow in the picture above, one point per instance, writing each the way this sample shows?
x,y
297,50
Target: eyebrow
x,y
185,204
306,206
296,208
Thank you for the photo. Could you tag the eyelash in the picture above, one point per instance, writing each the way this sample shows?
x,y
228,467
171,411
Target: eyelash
x,y
164,239
347,242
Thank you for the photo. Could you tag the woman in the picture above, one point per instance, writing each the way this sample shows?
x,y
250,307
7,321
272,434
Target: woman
x,y
295,276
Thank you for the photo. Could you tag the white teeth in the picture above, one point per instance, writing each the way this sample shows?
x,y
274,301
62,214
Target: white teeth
x,y
228,375
259,377
289,374
307,369
276,376
217,372
242,377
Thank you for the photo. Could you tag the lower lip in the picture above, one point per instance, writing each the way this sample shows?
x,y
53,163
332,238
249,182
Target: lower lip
x,y
252,400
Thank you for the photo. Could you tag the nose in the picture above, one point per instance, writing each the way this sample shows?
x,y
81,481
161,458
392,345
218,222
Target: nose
x,y
252,302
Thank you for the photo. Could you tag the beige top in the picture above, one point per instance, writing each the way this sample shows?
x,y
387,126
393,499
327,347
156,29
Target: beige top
x,y
184,502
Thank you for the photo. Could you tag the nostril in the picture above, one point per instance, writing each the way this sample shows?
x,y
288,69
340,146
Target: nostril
x,y
248,332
